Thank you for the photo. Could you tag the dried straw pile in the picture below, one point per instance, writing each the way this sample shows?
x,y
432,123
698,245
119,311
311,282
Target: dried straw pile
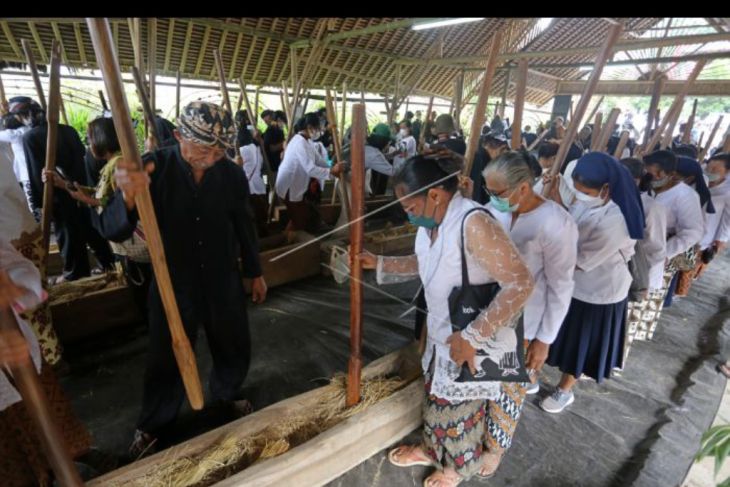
x,y
69,291
231,454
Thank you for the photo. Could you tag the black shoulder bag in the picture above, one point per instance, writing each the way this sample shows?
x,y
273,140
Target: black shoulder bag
x,y
503,358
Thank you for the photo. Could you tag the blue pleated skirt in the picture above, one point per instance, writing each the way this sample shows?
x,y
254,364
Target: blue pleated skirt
x,y
591,340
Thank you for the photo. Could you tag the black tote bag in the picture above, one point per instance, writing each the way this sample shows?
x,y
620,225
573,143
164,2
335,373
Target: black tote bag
x,y
504,359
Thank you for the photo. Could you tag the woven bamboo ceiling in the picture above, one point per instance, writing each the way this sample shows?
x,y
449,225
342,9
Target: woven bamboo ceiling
x,y
368,54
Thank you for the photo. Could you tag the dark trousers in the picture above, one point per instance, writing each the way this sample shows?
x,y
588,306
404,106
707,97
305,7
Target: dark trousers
x,y
73,231
226,329
139,277
303,215
260,205
378,183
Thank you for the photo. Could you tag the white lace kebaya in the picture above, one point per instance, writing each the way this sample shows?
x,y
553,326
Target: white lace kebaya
x,y
491,257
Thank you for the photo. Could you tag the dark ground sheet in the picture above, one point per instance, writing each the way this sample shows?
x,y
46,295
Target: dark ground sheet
x,y
642,428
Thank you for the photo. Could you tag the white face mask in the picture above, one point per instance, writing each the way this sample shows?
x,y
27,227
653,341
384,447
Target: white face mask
x,y
590,201
403,133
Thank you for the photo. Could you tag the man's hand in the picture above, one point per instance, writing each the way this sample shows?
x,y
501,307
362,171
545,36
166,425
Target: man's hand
x,y
9,291
461,351
131,180
13,348
466,186
337,169
238,160
720,245
48,175
537,353
258,290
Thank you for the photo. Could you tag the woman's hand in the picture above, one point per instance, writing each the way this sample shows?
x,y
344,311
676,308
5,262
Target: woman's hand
x,y
337,169
368,260
461,351
537,353
466,186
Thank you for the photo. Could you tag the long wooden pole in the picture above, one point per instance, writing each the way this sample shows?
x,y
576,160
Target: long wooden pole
x,y
152,63
422,135
62,108
54,93
710,139
687,134
357,230
177,94
149,114
666,140
253,118
597,131
677,100
521,88
103,100
614,33
3,99
538,140
607,129
621,145
227,101
256,105
101,38
34,72
344,105
36,404
594,110
480,110
337,141
656,94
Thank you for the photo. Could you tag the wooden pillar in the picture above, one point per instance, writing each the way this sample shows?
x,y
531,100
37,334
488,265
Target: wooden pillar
x,y
177,94
656,94
519,104
458,94
505,90
152,62
710,139
34,72
357,229
687,134
54,95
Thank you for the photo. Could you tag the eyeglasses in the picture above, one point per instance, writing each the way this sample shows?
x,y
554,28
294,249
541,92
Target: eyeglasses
x,y
497,195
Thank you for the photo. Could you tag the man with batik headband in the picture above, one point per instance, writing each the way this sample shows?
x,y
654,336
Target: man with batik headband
x,y
201,199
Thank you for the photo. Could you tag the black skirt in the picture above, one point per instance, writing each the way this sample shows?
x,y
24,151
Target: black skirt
x,y
591,340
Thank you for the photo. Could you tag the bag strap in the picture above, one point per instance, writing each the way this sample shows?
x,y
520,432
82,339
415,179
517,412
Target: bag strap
x,y
464,269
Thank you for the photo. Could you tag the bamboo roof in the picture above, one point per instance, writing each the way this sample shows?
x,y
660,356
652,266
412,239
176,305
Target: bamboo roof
x,y
365,53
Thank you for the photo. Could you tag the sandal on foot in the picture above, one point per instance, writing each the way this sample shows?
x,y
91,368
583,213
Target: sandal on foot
x,y
396,457
441,479
490,464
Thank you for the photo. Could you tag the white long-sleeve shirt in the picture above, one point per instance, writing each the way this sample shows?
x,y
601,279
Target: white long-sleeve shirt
x,y
654,242
253,160
406,148
297,167
604,249
685,220
24,274
547,238
14,137
15,216
566,188
717,225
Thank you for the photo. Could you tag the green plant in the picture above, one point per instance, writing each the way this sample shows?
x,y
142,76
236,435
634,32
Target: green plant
x,y
716,443
78,118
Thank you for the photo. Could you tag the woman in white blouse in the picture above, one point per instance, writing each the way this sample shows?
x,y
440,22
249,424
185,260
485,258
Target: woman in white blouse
x,y
296,172
454,411
717,225
14,125
610,218
547,238
253,162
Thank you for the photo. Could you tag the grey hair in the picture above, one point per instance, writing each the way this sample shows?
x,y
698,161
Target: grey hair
x,y
511,166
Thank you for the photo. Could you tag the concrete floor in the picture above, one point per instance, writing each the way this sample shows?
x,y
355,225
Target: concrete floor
x,y
641,428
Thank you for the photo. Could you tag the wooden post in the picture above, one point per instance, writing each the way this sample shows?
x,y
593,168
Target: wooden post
x,y
177,94
656,94
362,97
710,139
36,404
357,229
3,99
344,106
306,102
422,135
687,134
503,104
701,139
337,142
521,88
597,130
480,111
227,102
677,100
458,93
34,72
539,139
256,106
621,145
54,93
614,32
62,107
103,100
149,114
109,65
152,63
666,140
594,111
607,130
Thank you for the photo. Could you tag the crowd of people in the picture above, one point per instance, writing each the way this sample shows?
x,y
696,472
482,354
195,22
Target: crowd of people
x,y
517,266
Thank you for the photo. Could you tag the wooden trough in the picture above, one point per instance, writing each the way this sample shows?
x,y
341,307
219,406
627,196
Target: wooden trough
x,y
318,460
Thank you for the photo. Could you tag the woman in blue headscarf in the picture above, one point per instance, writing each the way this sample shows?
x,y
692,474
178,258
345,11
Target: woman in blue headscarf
x,y
610,218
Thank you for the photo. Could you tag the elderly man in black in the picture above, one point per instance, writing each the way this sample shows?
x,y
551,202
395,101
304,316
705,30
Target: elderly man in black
x,y
201,202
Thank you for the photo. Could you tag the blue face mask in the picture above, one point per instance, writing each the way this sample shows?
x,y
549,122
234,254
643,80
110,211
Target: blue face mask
x,y
427,222
502,204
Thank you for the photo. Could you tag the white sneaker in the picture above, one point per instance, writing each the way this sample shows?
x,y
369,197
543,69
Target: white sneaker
x,y
532,388
557,401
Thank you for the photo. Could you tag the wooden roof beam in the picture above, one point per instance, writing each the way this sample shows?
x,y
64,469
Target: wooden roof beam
x,y
373,29
626,45
168,45
11,38
38,42
80,43
203,50
186,47
227,26
59,39
644,88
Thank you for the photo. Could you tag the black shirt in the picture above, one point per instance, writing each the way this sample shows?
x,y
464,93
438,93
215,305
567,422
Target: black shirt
x,y
93,168
481,159
529,137
455,144
273,135
70,154
205,227
165,131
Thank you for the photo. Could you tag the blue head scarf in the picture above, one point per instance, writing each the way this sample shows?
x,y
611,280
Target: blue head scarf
x,y
686,166
600,168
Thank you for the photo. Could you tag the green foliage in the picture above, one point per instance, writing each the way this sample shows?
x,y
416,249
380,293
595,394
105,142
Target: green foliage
x,y
716,443
78,118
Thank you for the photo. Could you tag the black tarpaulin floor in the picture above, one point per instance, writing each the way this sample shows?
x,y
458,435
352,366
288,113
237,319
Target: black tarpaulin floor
x,y
641,428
